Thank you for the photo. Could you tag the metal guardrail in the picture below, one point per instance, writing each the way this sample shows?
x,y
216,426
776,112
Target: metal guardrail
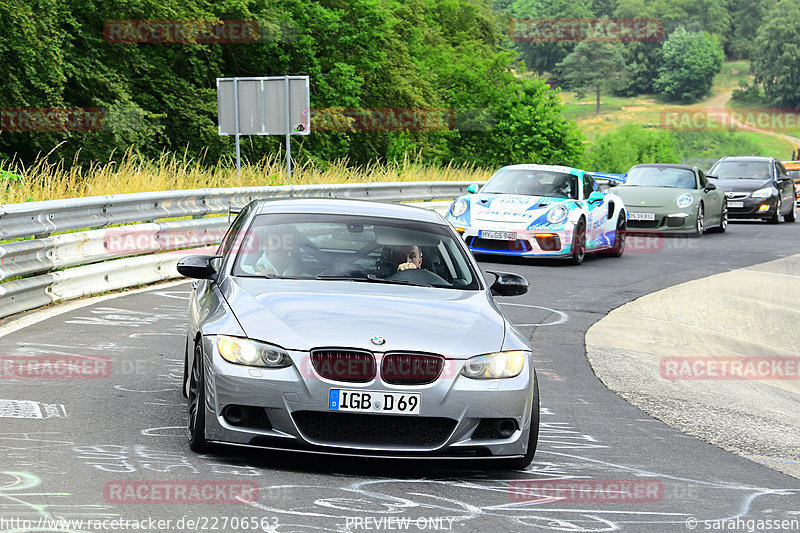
x,y
93,259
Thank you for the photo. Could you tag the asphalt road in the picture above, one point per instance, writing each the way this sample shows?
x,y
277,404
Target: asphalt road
x,y
78,449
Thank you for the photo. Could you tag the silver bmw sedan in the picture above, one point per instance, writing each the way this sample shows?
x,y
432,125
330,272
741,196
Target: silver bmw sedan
x,y
355,328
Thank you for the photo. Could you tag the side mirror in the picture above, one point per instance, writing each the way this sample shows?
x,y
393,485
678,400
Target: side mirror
x,y
473,188
198,266
709,187
508,284
596,196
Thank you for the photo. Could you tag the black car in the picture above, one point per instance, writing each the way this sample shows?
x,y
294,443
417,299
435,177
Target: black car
x,y
756,187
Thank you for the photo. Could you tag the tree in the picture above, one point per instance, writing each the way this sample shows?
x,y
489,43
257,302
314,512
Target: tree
x,y
746,17
593,66
543,57
776,58
423,55
644,58
689,63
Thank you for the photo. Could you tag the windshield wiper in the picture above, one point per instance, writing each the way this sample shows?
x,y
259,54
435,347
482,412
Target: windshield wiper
x,y
371,278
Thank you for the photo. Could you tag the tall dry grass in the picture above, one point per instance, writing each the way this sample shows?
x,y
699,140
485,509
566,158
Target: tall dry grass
x,y
131,173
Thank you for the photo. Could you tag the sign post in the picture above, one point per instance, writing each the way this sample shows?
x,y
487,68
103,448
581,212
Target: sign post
x,y
274,105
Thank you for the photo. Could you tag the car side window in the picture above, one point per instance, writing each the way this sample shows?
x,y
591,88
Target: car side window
x,y
702,177
589,185
780,170
230,236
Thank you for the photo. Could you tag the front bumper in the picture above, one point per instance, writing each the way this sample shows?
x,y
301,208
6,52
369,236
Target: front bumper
x,y
664,220
296,415
754,208
541,242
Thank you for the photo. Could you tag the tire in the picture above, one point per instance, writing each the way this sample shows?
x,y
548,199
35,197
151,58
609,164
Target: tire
x,y
792,215
723,219
521,463
699,224
620,236
776,218
196,430
578,243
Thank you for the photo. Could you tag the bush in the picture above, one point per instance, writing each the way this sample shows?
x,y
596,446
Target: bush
x,y
749,94
630,145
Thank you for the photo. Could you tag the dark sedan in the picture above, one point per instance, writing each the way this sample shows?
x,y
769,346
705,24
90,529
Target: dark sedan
x,y
756,187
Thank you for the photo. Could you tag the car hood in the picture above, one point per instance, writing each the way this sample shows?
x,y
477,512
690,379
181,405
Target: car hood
x,y
306,314
650,196
741,185
512,208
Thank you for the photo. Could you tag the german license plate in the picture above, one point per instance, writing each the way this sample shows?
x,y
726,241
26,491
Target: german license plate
x,y
641,216
498,235
735,204
372,401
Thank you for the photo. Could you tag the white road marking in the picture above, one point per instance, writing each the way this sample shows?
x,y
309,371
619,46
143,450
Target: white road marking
x,y
30,409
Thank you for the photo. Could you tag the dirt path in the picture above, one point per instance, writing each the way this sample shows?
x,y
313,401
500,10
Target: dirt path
x,y
716,105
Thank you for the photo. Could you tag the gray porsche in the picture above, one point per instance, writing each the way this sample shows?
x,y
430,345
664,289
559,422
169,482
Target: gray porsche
x,y
349,327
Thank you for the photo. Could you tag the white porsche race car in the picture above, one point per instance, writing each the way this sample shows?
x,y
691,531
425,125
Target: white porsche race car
x,y
541,211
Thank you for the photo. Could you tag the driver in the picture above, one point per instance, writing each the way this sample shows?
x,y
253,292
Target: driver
x,y
408,257
561,187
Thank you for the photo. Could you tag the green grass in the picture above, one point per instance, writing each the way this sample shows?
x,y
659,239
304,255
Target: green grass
x,y
770,145
733,72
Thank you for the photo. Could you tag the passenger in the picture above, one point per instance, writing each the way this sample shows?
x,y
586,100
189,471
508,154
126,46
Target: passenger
x,y
279,254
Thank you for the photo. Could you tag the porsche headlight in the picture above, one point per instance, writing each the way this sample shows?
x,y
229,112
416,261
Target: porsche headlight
x,y
684,200
495,365
458,208
252,353
557,214
766,192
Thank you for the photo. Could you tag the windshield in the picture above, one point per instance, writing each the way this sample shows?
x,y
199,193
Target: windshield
x,y
677,178
354,248
794,174
533,183
745,170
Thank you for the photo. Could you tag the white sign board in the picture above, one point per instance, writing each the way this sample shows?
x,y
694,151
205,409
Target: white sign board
x,y
262,105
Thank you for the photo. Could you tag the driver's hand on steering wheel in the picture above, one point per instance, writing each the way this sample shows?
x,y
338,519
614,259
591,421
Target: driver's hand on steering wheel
x,y
406,266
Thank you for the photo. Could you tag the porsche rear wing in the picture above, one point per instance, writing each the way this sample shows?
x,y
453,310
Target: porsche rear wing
x,y
607,179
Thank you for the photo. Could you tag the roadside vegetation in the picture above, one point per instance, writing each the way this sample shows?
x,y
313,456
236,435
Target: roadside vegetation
x,y
131,173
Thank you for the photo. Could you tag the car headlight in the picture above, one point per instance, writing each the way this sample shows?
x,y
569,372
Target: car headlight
x,y
252,353
495,365
557,214
684,200
458,208
766,192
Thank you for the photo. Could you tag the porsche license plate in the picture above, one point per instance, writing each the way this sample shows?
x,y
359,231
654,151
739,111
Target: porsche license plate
x,y
641,216
373,401
498,235
735,204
